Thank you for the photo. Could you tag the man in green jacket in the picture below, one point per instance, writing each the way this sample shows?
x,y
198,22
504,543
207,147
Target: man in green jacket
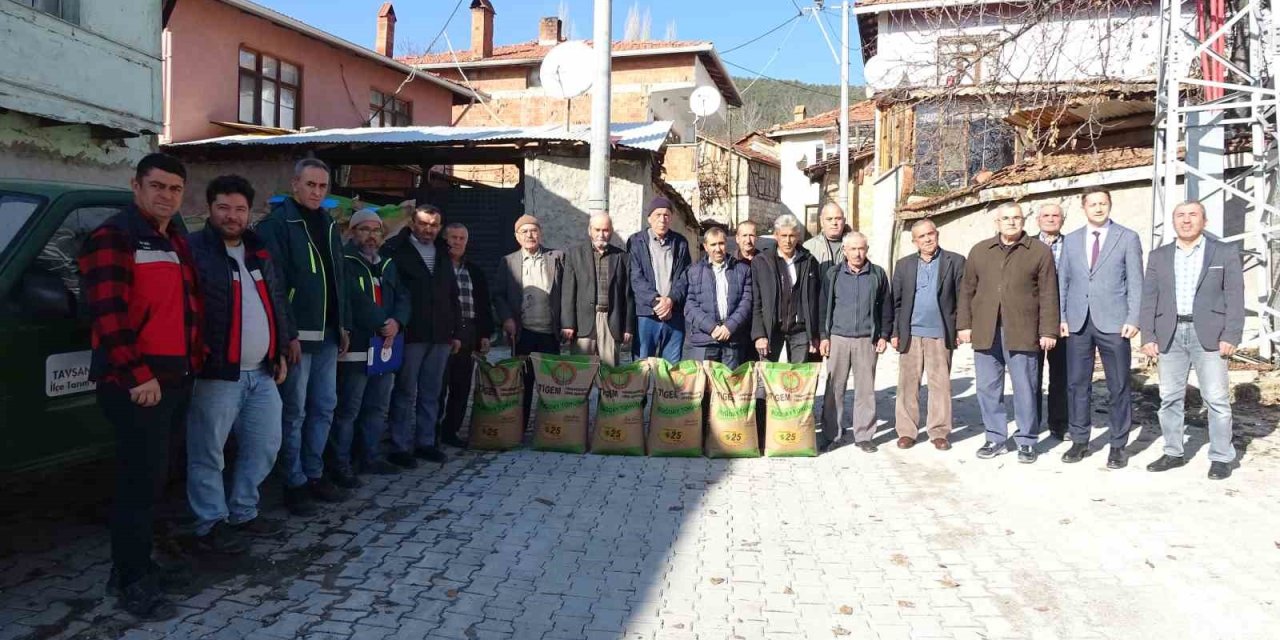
x,y
303,239
379,307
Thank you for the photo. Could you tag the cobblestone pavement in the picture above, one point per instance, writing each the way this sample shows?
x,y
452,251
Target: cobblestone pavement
x,y
897,544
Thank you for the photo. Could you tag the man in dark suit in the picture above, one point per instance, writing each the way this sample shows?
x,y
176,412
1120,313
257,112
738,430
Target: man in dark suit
x,y
597,313
925,289
1099,278
718,309
527,297
786,284
659,265
1193,316
475,327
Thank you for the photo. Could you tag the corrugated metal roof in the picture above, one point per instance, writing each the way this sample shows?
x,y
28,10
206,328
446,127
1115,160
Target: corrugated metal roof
x,y
647,136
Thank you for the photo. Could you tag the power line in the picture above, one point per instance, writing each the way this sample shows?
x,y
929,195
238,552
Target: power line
x,y
773,57
763,35
781,81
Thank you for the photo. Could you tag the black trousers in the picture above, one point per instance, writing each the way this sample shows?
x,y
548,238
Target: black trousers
x,y
797,341
143,436
1116,360
533,342
1057,406
457,381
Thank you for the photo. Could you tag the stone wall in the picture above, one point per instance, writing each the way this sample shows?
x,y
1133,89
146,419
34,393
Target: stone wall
x,y
556,191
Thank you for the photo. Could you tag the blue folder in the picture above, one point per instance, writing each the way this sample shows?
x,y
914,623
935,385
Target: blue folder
x,y
384,358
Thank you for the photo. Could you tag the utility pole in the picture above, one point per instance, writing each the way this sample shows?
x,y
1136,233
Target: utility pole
x,y
602,34
844,108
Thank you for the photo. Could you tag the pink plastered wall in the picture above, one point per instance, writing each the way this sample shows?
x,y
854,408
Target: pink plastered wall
x,y
201,78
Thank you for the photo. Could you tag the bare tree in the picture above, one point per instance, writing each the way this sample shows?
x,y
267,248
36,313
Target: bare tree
x,y
566,22
671,31
639,23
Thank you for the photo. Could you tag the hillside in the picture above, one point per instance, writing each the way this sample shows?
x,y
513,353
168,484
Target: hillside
x,y
769,102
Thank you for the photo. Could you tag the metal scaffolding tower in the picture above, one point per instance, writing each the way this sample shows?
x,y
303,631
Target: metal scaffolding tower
x,y
1217,83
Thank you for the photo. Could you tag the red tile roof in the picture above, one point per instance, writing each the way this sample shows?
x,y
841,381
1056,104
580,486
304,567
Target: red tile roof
x,y
860,112
533,51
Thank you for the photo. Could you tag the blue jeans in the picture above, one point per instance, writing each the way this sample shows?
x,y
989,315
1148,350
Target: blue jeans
x,y
364,399
1024,369
662,339
310,394
730,355
1211,370
415,405
251,407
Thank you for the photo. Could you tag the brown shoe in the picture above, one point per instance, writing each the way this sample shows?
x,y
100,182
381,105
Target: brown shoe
x,y
906,443
941,444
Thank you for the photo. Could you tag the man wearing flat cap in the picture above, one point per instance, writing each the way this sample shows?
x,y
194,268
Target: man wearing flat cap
x,y
659,265
526,297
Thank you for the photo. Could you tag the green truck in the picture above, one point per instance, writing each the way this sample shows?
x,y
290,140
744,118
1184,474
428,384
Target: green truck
x,y
48,416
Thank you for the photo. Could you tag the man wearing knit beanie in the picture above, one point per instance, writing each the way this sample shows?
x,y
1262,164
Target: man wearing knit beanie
x,y
659,265
526,297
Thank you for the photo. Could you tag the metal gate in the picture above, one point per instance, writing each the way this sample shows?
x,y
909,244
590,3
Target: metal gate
x,y
489,213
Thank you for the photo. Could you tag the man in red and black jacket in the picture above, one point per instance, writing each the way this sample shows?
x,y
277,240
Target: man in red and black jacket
x,y
141,286
247,325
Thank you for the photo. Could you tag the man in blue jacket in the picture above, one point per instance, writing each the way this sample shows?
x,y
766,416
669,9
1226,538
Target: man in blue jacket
x,y
303,238
659,268
718,309
379,307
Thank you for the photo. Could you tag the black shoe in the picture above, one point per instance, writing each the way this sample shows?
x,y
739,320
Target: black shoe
x,y
345,479
298,501
260,527
144,600
324,491
1027,454
831,445
867,446
453,441
381,468
402,459
222,540
991,450
1219,471
1166,463
1060,434
1076,453
170,577
431,454
1117,459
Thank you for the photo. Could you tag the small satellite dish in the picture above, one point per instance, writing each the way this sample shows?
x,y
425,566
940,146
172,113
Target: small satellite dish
x,y
704,101
568,70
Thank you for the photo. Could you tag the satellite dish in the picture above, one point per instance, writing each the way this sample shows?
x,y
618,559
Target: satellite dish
x,y
704,101
568,70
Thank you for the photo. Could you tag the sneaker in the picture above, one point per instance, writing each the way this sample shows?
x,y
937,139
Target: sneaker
x,y
431,454
1165,463
402,459
1027,454
221,539
345,479
453,441
381,468
324,491
144,601
1219,471
1076,453
991,450
1117,459
260,527
298,501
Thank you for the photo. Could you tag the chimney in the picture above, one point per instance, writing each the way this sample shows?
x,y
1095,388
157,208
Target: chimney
x,y
386,42
549,31
481,28
798,113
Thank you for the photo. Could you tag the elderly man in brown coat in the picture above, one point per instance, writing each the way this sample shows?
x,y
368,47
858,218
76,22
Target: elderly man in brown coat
x,y
1009,311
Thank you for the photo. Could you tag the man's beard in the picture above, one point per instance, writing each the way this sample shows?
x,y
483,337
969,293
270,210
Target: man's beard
x,y
228,233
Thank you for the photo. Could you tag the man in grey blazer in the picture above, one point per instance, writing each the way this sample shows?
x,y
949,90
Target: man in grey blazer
x,y
1193,316
1100,284
527,297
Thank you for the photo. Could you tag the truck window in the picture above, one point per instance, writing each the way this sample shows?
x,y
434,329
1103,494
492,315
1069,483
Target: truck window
x,y
15,210
58,257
